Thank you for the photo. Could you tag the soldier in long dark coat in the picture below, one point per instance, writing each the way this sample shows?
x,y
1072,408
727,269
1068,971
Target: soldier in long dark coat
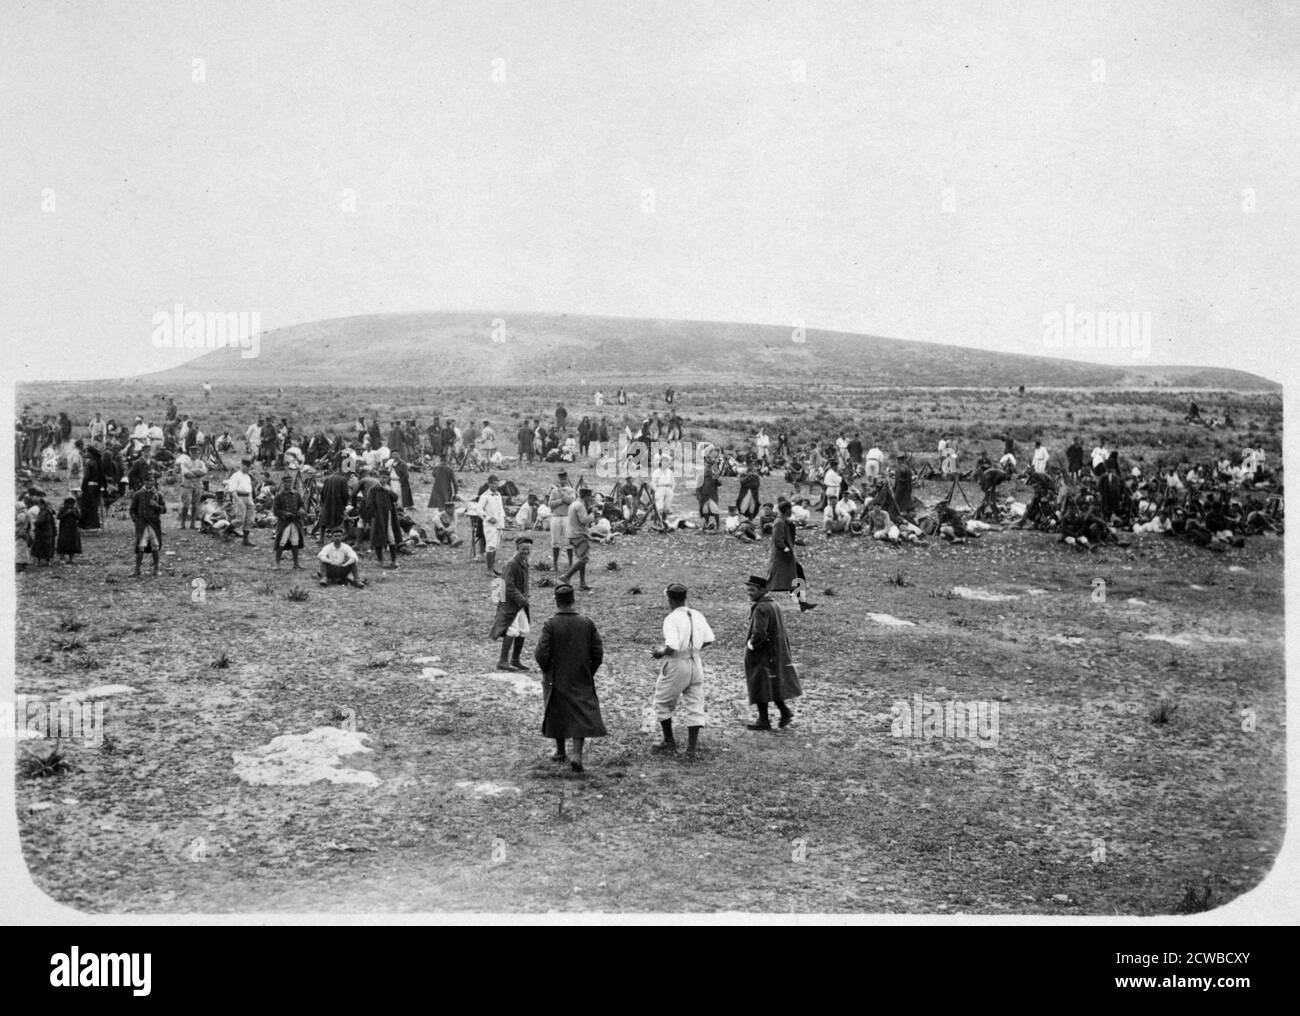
x,y
92,486
782,568
287,509
147,509
511,623
379,512
769,668
747,498
570,652
444,485
333,504
397,441
69,533
404,478
903,486
44,529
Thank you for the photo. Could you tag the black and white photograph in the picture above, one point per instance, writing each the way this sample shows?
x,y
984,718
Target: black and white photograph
x,y
574,462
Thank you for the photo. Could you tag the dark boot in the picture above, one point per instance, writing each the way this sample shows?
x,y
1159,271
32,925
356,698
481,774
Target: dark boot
x,y
692,741
515,662
763,722
787,717
504,662
669,743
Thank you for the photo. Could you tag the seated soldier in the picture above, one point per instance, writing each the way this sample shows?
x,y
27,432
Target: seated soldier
x,y
413,535
835,517
443,527
732,522
601,531
338,563
213,518
881,526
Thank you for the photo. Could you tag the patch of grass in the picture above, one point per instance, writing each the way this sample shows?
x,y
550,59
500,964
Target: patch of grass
x,y
898,578
1196,899
87,663
297,594
1162,712
70,622
55,763
71,645
220,663
264,588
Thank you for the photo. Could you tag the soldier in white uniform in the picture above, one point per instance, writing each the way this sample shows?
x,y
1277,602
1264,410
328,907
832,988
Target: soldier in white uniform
x,y
680,687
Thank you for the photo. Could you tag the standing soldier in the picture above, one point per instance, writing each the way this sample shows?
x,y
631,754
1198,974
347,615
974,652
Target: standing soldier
x,y
511,622
288,521
493,513
191,472
579,529
240,485
570,652
147,509
769,668
681,678
559,499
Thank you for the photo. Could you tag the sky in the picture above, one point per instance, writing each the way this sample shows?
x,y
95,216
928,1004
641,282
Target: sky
x,y
955,173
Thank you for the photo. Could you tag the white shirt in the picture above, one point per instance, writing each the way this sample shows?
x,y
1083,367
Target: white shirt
x,y
662,477
342,555
1099,456
762,441
1007,461
489,505
1041,455
832,481
876,454
686,630
240,484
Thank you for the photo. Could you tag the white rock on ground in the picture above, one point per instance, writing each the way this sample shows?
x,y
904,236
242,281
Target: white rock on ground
x,y
101,691
971,593
487,788
889,619
520,684
295,760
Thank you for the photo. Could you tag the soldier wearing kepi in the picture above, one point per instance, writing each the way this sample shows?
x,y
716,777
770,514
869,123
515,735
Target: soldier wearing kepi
x,y
570,652
559,498
579,528
680,688
511,622
769,667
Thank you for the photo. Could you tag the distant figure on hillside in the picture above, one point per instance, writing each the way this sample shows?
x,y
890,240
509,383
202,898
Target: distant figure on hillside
x,y
669,395
561,416
622,397
207,390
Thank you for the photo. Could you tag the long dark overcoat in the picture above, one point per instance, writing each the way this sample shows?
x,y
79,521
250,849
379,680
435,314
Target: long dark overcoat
x,y
569,653
769,668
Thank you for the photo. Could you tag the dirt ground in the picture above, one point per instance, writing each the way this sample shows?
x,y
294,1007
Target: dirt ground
x,y
1084,805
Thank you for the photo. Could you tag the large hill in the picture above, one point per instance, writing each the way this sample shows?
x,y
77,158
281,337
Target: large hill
x,y
470,348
